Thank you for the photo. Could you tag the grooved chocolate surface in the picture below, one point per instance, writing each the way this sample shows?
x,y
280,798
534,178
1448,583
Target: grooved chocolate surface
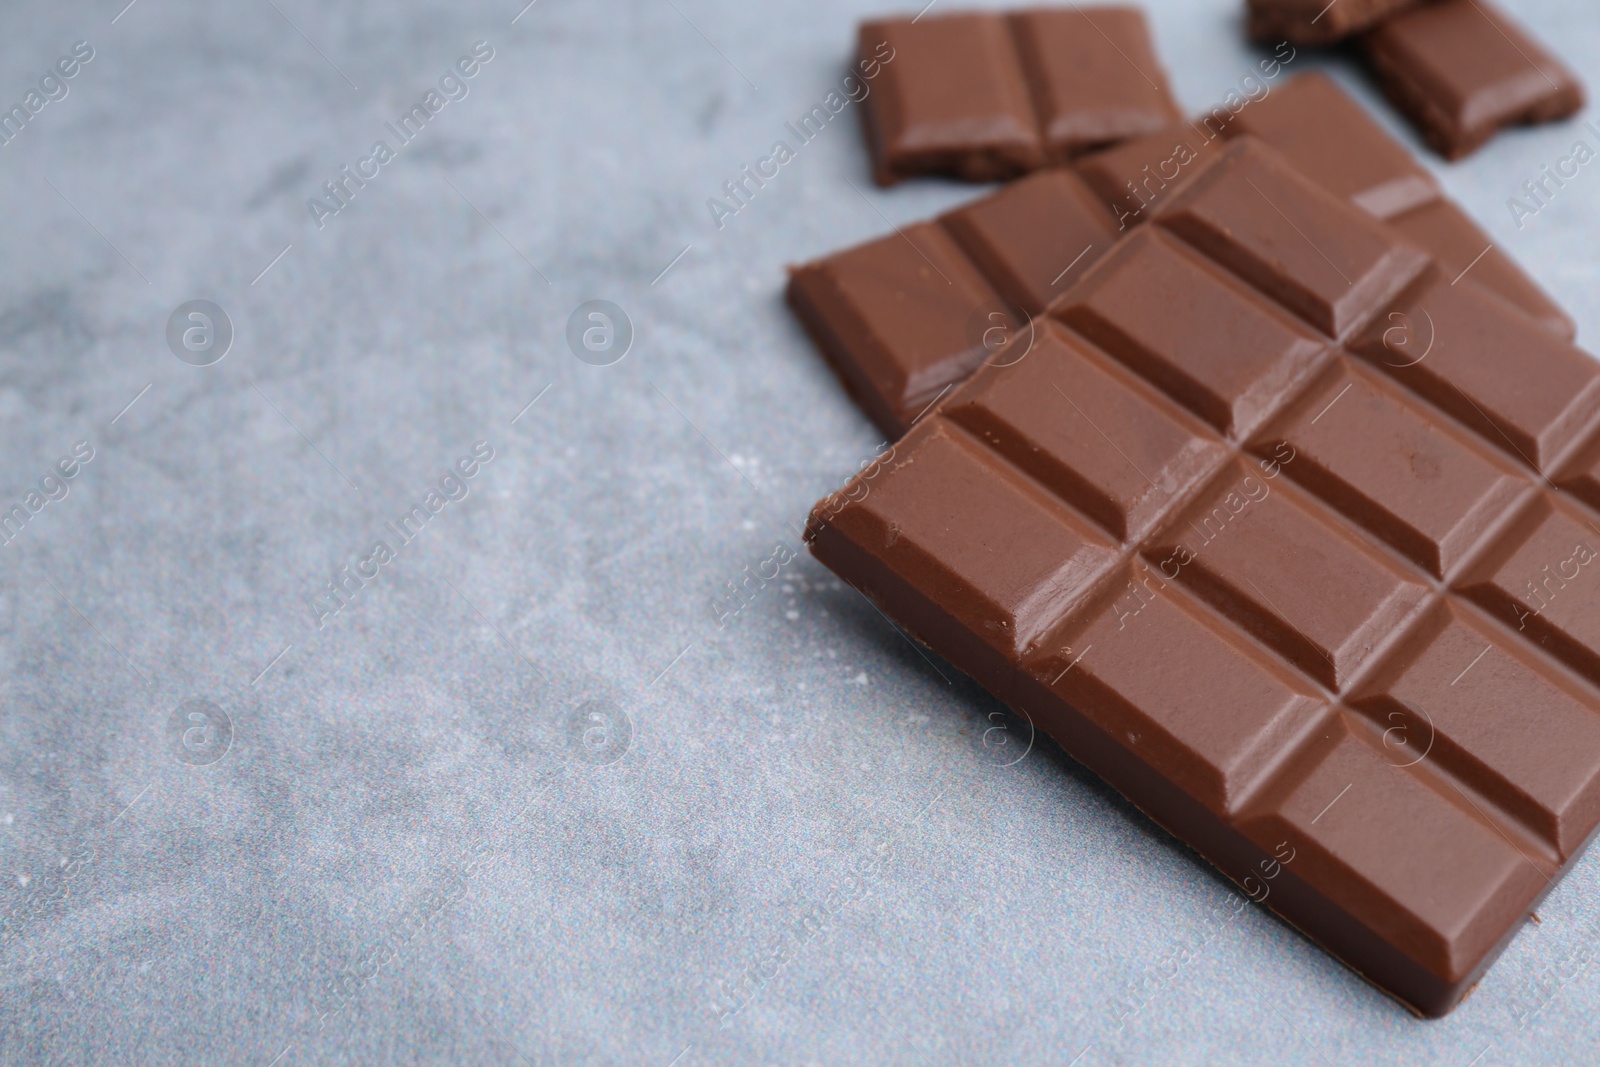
x,y
984,96
1317,601
1316,22
1462,69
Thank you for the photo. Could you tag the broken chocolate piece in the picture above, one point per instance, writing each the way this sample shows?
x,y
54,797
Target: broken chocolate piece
x,y
1462,69
1316,22
984,97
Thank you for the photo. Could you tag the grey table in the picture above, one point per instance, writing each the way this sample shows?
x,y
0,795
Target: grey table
x,y
521,791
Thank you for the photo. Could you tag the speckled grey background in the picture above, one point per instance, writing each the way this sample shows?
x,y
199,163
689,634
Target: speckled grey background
x,y
788,839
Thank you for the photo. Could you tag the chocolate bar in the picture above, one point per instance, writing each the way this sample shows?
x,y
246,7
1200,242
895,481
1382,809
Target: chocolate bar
x,y
983,96
906,316
1317,22
1290,537
1462,69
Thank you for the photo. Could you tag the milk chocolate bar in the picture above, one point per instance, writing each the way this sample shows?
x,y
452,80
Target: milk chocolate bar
x,y
1462,69
1292,539
1317,22
983,96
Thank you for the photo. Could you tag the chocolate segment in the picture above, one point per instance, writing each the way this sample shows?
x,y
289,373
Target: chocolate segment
x,y
1315,22
1462,69
1035,237
1135,176
1254,214
1431,493
1332,140
984,97
1318,613
1530,394
1094,75
900,319
905,317
1462,248
952,100
1225,358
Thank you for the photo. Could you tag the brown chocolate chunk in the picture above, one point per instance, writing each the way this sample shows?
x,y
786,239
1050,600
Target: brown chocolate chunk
x,y
1332,140
1314,22
1094,75
1255,214
1526,391
905,317
1462,69
1135,176
1460,248
1035,237
896,318
1319,613
983,97
950,100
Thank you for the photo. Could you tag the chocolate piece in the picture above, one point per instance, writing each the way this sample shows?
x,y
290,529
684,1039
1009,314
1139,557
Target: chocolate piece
x,y
983,97
1333,141
1094,75
895,318
1462,69
1315,22
1136,175
951,100
1461,248
1530,394
1264,223
904,317
1317,614
1035,237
